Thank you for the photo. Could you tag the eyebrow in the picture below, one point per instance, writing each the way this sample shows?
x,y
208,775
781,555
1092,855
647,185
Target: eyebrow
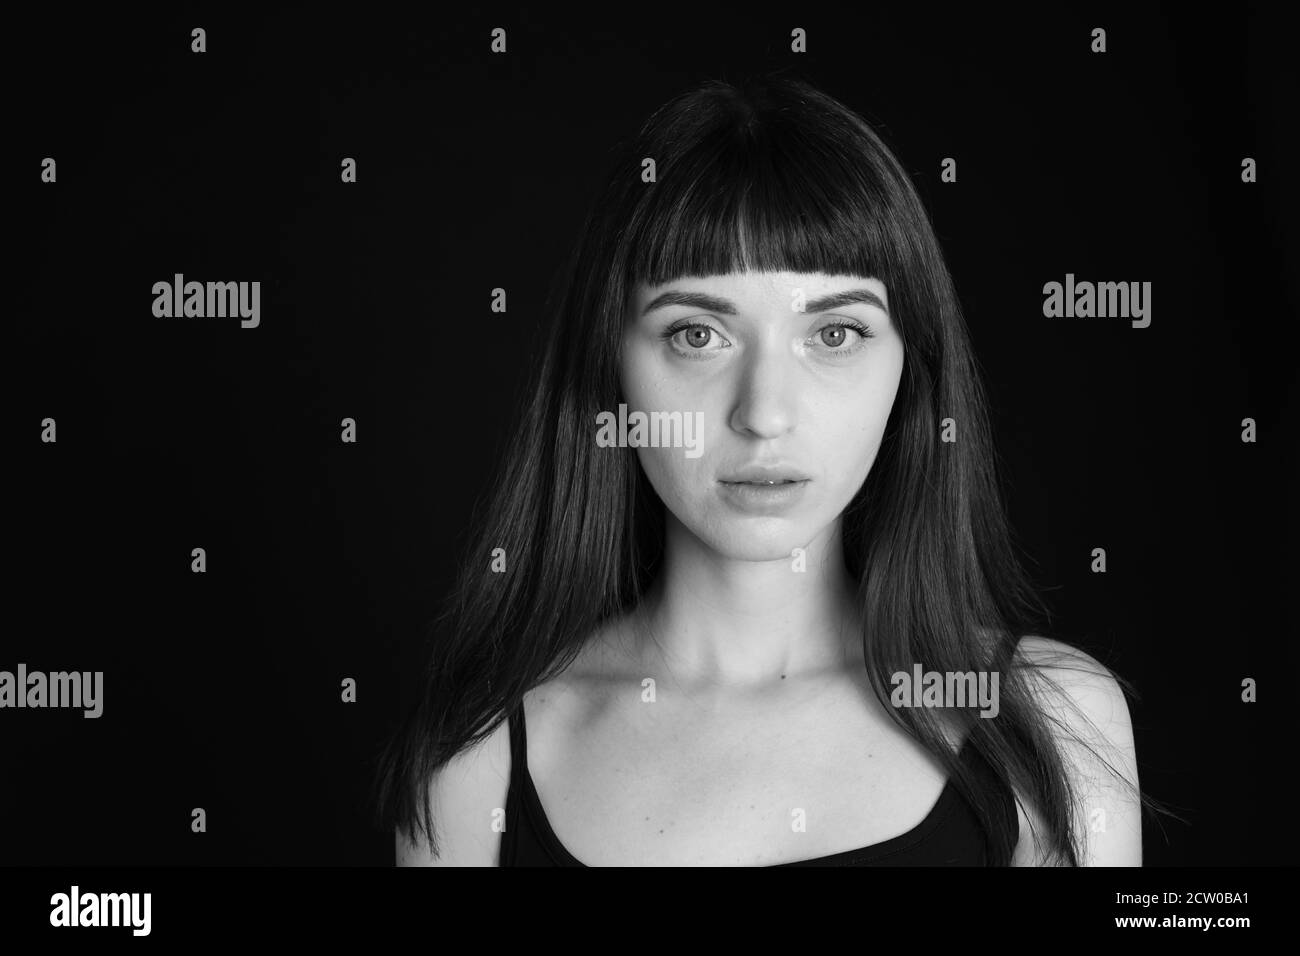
x,y
713,303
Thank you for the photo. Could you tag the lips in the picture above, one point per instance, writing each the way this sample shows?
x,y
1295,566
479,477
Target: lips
x,y
764,475
764,489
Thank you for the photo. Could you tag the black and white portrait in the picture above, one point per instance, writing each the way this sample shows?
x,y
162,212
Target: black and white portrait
x,y
807,438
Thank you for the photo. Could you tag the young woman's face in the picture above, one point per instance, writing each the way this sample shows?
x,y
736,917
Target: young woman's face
x,y
792,403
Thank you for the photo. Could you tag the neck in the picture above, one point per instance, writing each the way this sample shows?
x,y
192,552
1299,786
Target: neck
x,y
719,623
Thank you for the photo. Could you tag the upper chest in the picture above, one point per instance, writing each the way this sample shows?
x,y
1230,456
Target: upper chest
x,y
790,777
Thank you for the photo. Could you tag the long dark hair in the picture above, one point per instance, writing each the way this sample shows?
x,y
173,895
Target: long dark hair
x,y
771,174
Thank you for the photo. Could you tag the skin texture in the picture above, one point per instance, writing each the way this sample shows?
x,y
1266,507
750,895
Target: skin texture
x,y
769,387
773,384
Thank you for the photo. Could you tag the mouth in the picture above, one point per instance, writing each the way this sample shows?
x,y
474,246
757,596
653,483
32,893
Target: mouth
x,y
763,495
765,475
759,483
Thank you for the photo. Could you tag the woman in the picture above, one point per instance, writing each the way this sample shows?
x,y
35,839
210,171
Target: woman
x,y
700,648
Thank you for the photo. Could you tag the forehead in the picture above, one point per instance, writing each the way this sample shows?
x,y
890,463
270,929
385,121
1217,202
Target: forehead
x,y
760,287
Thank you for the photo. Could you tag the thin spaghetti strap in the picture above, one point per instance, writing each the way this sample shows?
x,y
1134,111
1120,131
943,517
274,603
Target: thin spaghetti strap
x,y
518,744
515,790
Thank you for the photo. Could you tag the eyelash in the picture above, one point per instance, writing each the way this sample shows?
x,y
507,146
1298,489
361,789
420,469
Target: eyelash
x,y
683,324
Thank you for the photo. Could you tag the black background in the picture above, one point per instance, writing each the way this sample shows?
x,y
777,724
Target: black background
x,y
326,560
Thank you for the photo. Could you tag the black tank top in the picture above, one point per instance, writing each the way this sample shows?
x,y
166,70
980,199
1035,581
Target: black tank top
x,y
950,834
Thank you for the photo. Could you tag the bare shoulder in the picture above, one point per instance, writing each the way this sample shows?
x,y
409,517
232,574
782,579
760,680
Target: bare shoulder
x,y
1087,710
467,797
1067,680
468,794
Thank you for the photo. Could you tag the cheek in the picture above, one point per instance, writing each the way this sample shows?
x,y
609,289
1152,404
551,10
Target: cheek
x,y
646,388
667,470
852,425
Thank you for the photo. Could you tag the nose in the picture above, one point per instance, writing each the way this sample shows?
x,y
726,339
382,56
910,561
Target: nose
x,y
765,400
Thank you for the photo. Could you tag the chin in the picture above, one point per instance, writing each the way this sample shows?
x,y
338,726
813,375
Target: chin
x,y
756,539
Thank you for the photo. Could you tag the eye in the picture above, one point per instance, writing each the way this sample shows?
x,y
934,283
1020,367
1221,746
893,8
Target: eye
x,y
692,337
842,337
697,336
835,335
